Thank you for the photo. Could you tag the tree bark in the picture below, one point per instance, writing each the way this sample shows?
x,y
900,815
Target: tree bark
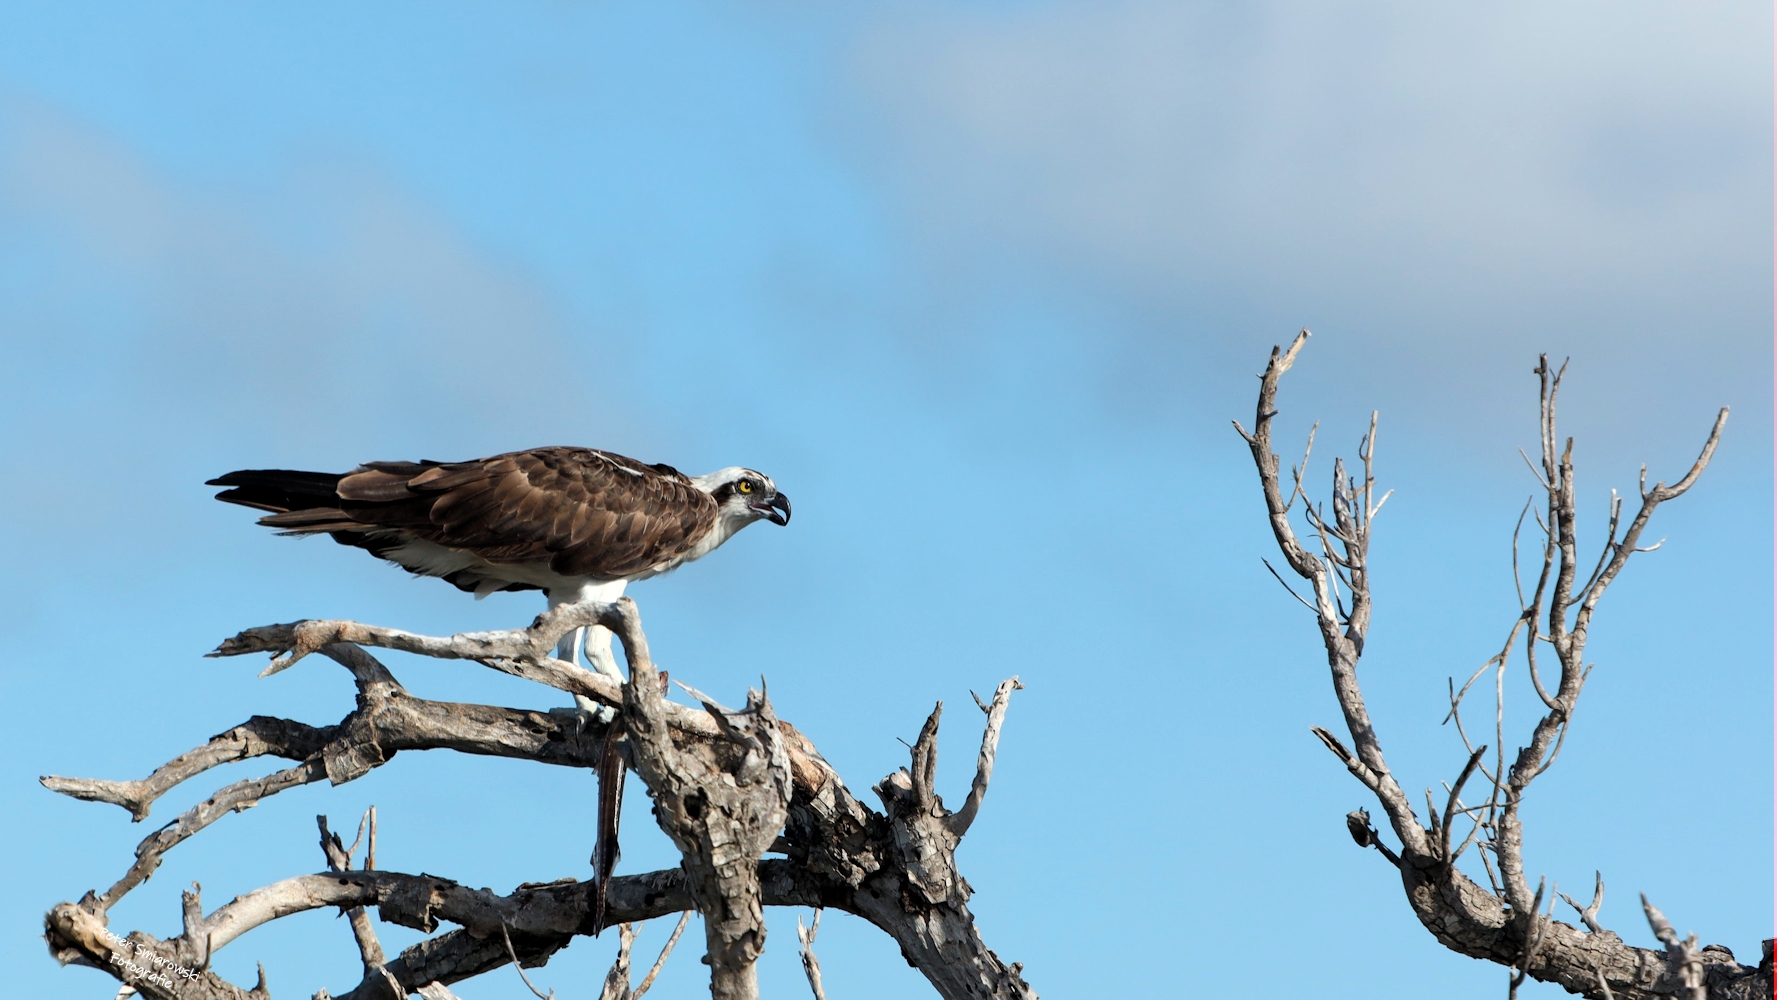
x,y
725,784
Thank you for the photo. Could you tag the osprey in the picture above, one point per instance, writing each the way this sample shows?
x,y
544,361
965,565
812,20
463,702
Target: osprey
x,y
576,523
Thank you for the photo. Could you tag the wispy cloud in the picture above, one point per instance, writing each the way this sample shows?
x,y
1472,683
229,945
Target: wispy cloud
x,y
1440,183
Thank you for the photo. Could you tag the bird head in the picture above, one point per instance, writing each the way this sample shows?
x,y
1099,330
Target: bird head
x,y
745,495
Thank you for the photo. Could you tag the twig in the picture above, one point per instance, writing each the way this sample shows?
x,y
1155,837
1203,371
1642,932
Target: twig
x,y
960,821
339,859
1684,955
810,964
512,952
1286,585
665,950
1450,803
233,798
1343,558
260,735
1533,942
1300,473
616,985
1589,914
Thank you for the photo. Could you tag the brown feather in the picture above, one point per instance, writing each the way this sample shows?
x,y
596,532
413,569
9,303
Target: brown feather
x,y
309,517
585,512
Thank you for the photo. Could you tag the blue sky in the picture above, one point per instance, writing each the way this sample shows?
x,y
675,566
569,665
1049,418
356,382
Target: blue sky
x,y
980,285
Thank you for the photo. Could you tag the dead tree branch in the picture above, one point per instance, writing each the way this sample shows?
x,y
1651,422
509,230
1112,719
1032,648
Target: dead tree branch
x,y
728,786
1504,925
990,745
1348,545
722,809
617,980
811,966
339,859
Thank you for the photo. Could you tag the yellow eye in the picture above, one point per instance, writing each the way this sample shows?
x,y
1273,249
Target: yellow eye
x,y
745,487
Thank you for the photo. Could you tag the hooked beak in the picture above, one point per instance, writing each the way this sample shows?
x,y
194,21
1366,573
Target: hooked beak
x,y
776,510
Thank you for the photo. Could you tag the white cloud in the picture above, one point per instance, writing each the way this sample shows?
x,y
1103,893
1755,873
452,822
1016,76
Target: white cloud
x,y
1440,191
1406,157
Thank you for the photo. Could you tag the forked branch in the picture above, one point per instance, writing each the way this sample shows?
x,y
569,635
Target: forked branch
x,y
1506,925
1345,545
726,782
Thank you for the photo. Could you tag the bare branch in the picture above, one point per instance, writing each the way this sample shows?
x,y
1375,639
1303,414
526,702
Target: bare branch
x,y
339,859
839,850
1344,546
1684,955
1299,559
290,643
617,977
1352,764
1650,499
963,818
506,936
811,966
1536,679
1287,587
665,950
1507,925
1450,804
1690,478
1589,914
234,798
260,735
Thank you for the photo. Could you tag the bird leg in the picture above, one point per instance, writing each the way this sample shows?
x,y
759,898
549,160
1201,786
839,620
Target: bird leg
x,y
570,646
574,645
594,642
598,652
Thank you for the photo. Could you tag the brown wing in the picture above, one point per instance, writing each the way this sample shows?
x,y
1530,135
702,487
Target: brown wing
x,y
586,512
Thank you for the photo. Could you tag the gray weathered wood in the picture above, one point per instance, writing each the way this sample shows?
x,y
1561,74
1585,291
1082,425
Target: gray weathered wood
x,y
728,787
1504,924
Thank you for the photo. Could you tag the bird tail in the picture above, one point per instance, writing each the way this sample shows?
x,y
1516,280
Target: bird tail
x,y
299,502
